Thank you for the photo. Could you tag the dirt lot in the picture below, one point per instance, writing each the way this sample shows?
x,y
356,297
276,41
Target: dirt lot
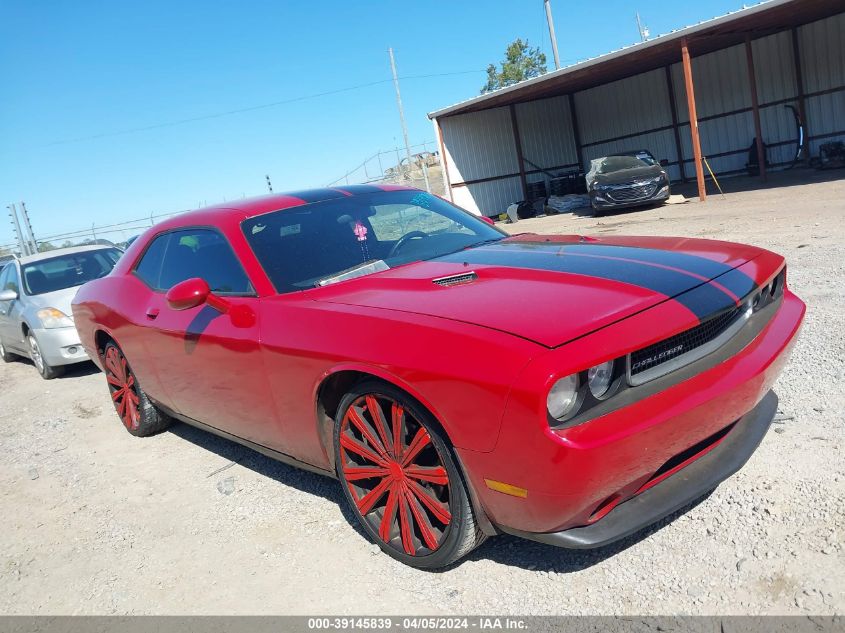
x,y
95,521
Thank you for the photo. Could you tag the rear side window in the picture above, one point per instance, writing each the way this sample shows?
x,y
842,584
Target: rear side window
x,y
179,255
11,282
4,277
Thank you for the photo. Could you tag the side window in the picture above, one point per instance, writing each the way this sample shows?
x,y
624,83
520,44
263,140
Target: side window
x,y
12,282
4,276
149,268
206,254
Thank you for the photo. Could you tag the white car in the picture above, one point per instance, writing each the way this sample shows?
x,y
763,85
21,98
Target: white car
x,y
35,296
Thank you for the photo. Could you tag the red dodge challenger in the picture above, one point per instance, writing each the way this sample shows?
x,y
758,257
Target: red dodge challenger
x,y
458,382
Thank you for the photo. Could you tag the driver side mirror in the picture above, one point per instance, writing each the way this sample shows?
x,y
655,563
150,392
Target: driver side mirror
x,y
188,294
488,220
8,295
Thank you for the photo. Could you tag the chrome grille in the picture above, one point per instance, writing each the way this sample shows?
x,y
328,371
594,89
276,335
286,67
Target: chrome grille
x,y
634,191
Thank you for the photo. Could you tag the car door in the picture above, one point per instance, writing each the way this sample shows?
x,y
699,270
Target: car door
x,y
209,363
5,306
10,311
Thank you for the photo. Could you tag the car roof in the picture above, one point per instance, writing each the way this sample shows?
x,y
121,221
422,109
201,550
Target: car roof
x,y
633,152
62,251
251,207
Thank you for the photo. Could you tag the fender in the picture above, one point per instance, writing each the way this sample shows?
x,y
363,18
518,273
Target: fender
x,y
377,372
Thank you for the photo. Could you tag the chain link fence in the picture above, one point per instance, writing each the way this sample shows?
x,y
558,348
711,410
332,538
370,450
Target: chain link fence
x,y
389,166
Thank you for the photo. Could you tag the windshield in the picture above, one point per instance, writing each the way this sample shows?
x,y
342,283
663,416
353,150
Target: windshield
x,y
66,271
610,164
312,245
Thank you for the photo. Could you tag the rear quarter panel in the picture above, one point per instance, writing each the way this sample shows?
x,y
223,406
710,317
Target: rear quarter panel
x,y
114,305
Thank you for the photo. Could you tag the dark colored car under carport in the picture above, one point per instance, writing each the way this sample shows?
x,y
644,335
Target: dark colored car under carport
x,y
626,180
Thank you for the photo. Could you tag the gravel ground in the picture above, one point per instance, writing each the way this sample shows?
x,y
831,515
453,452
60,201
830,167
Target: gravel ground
x,y
95,521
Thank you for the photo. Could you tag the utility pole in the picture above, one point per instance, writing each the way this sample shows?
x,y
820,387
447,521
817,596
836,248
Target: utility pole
x,y
551,22
269,184
401,112
642,29
28,226
425,175
13,213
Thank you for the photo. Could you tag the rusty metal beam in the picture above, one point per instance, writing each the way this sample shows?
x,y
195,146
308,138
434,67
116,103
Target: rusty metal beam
x,y
444,167
799,81
673,107
576,133
755,108
693,120
523,181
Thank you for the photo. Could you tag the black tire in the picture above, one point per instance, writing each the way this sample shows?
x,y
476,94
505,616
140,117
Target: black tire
x,y
47,371
139,415
5,355
433,542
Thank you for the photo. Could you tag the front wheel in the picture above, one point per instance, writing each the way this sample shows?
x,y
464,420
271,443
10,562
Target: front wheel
x,y
400,479
47,371
5,355
138,414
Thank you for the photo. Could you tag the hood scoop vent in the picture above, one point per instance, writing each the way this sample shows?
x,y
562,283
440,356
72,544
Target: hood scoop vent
x,y
456,280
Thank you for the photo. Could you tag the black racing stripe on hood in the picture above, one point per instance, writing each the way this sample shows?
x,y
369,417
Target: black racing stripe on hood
x,y
704,301
737,282
732,279
683,261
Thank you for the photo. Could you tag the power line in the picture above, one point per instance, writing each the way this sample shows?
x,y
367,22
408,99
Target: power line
x,y
262,106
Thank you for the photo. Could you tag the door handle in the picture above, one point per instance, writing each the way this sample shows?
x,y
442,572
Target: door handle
x,y
152,313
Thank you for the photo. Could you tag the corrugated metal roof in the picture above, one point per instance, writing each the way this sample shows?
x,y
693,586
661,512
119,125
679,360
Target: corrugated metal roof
x,y
713,34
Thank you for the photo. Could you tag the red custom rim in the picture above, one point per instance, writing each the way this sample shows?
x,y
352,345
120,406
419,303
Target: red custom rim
x,y
123,388
395,474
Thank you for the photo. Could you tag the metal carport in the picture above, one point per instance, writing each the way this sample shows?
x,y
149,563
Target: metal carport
x,y
640,97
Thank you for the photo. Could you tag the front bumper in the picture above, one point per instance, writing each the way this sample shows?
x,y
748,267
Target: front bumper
x,y
674,492
581,476
600,201
60,346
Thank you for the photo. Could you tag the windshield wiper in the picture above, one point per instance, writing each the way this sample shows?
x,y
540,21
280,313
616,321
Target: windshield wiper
x,y
367,268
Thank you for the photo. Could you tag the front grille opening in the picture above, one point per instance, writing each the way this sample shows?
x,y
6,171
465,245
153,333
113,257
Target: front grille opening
x,y
686,457
688,340
454,280
635,192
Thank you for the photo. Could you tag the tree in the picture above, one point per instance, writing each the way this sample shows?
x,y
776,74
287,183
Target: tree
x,y
521,62
43,247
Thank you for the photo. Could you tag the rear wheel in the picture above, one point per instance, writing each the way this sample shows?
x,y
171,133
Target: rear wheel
x,y
47,371
400,478
138,414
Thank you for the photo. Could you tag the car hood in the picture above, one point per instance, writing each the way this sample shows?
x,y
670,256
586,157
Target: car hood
x,y
59,299
552,290
628,175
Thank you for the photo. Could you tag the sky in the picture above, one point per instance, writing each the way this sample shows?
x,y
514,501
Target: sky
x,y
96,93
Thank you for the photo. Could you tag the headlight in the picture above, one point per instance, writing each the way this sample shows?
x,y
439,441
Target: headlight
x,y
599,378
51,318
563,396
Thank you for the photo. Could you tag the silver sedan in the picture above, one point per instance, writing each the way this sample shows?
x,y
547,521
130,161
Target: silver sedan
x,y
35,296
